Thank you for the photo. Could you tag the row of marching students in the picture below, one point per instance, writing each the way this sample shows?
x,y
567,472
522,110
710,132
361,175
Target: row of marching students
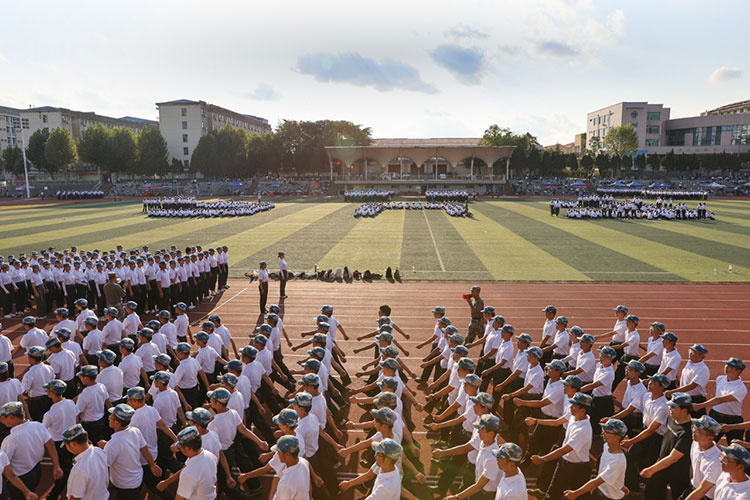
x,y
561,413
156,399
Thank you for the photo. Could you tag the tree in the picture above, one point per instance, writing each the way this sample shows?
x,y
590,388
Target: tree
x,y
124,152
152,154
626,163
205,159
571,162
691,163
669,162
595,144
640,162
654,160
36,147
622,140
95,147
503,136
12,160
60,150
602,163
587,163
534,161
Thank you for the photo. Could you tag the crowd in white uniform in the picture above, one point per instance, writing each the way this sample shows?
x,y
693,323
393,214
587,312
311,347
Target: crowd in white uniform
x,y
446,195
79,195
214,209
608,208
368,195
372,209
173,407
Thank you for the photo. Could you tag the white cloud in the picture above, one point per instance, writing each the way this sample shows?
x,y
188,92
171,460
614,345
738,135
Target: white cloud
x,y
616,22
263,92
724,73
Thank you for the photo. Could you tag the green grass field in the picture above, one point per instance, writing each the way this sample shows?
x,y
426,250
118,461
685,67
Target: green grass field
x,y
507,240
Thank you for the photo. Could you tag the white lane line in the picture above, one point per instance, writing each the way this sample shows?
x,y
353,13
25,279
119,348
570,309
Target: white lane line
x,y
440,260
219,306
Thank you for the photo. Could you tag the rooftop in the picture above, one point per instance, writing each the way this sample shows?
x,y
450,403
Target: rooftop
x,y
435,142
178,101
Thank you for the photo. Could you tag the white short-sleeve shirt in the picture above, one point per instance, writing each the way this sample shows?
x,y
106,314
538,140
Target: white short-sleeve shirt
x,y
736,388
670,360
225,426
24,446
612,468
706,465
695,372
198,477
124,457
578,436
89,477
655,411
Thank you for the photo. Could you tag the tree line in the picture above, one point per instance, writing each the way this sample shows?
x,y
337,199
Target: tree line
x,y
116,150
294,148
620,144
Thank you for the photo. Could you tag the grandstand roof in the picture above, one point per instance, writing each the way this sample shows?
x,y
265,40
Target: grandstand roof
x,y
431,142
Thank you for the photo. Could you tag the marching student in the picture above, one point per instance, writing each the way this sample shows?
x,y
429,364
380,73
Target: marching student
x,y
573,466
549,406
92,402
63,363
632,406
532,390
670,359
89,476
628,348
694,378
515,380
33,382
610,481
705,459
601,388
61,416
387,477
654,349
486,470
733,483
512,485
726,405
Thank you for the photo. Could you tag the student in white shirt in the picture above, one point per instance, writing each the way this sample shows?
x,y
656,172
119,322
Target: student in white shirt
x,y
705,459
549,406
733,483
694,378
25,447
670,359
629,348
387,477
60,417
726,406
198,477
512,485
610,481
633,401
124,451
89,477
486,471
33,383
533,389
92,402
263,286
573,467
601,388
654,349
585,365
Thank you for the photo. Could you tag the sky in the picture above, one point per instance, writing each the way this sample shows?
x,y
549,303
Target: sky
x,y
404,68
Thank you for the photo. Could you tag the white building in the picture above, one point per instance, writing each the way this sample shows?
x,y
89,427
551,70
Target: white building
x,y
184,122
77,122
7,130
722,130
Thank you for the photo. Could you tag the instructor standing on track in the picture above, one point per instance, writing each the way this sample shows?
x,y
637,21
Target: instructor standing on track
x,y
476,305
282,275
263,285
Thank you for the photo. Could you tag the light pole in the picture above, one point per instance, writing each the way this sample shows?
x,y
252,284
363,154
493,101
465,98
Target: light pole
x,y
19,124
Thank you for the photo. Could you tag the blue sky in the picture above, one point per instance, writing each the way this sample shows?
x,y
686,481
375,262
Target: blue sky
x,y
406,69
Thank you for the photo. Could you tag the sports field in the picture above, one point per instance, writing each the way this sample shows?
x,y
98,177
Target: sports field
x,y
513,240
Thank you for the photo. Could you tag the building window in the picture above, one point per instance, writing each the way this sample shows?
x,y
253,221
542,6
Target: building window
x,y
707,136
184,125
653,115
652,142
44,118
186,163
676,137
635,125
652,129
184,137
185,151
184,111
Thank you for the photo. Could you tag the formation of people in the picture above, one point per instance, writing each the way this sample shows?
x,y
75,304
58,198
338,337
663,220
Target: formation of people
x,y
636,208
50,279
372,209
79,195
214,209
459,196
367,195
675,194
186,413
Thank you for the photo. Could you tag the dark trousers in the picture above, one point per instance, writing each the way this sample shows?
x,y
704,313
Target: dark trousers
x,y
20,297
38,406
150,481
66,463
282,283
5,301
263,288
518,427
723,418
543,438
279,359
97,429
252,416
701,412
656,485
31,479
192,396
426,372
640,456
568,476
214,275
153,295
602,406
127,493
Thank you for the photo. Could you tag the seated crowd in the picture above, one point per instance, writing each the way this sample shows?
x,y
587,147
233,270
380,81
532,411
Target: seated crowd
x,y
446,195
188,414
631,209
372,209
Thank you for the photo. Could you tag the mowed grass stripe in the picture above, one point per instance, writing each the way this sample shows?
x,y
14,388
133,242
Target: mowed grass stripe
x,y
508,256
306,246
224,228
12,211
50,223
732,222
244,244
678,261
69,230
702,230
417,250
456,253
572,249
372,244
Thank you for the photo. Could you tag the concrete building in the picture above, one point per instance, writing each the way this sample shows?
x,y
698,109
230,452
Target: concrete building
x,y
184,122
722,130
7,130
77,122
647,119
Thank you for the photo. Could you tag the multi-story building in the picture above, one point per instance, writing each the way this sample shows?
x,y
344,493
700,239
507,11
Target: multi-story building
x,y
184,122
647,119
77,122
722,130
7,129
